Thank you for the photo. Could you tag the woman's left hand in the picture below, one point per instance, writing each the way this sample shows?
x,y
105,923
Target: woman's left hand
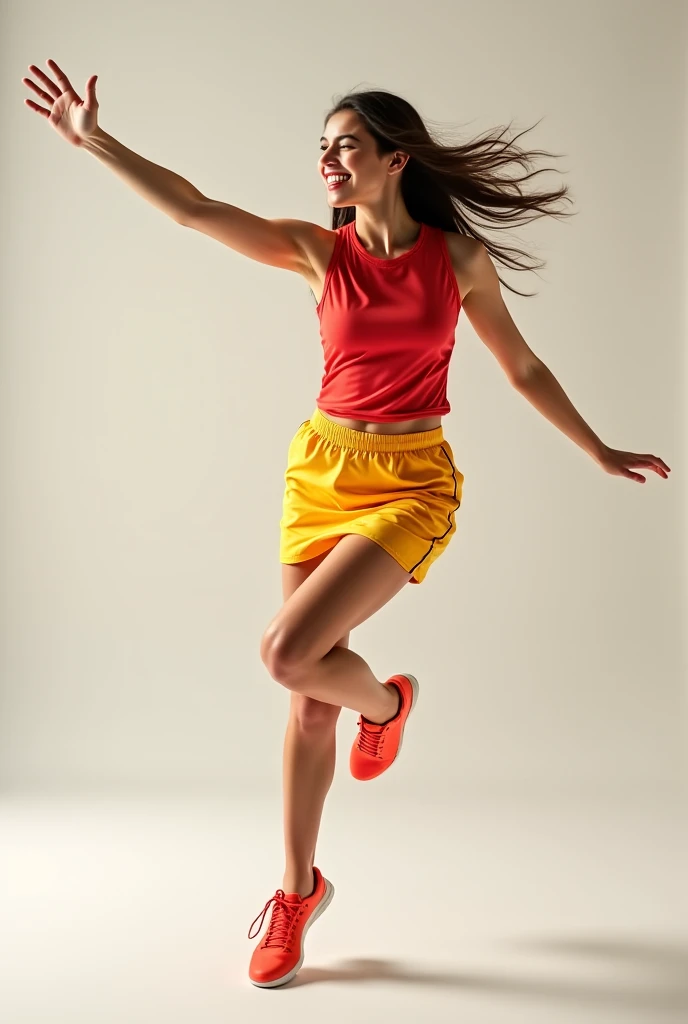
x,y
622,463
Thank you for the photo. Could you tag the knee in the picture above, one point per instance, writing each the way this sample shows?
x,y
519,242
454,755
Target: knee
x,y
282,657
311,715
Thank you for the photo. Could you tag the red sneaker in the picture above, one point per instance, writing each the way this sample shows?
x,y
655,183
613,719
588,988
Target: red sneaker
x,y
279,955
377,746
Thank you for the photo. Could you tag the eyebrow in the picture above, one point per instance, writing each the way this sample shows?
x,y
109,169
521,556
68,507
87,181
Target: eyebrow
x,y
340,137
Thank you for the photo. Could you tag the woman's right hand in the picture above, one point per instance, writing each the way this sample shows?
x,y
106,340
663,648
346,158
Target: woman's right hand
x,y
71,117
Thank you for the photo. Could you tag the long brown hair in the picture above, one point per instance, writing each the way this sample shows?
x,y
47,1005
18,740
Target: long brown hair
x,y
442,184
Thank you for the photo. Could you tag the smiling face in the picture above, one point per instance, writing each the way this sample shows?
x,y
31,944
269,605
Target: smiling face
x,y
348,148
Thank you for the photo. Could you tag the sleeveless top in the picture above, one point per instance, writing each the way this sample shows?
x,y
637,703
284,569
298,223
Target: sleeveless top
x,y
387,329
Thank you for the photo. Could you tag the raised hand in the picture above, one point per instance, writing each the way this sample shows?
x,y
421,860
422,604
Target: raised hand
x,y
71,117
622,464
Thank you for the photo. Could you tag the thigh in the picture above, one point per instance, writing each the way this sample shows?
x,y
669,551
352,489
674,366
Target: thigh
x,y
308,710
354,581
294,575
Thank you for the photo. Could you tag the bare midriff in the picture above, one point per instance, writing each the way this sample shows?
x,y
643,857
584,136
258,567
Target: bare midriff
x,y
398,427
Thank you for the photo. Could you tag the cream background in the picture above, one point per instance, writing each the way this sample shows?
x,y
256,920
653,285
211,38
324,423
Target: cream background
x,y
152,379
524,861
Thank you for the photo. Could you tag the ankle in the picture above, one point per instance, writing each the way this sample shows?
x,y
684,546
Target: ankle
x,y
303,884
392,708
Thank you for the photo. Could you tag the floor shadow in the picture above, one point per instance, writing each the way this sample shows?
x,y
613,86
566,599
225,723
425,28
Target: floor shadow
x,y
664,954
654,995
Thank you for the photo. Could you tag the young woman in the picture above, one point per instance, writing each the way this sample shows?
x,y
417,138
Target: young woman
x,y
372,487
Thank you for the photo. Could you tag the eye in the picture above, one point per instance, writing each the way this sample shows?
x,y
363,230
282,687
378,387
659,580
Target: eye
x,y
323,148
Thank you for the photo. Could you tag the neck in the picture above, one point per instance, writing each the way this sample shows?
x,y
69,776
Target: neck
x,y
386,236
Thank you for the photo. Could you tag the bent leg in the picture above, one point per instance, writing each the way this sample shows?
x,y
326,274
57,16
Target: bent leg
x,y
299,647
309,758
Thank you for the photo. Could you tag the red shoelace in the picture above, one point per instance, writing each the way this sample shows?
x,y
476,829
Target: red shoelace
x,y
371,737
282,922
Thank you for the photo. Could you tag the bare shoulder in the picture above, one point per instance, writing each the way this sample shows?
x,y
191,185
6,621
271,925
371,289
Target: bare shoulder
x,y
467,256
281,242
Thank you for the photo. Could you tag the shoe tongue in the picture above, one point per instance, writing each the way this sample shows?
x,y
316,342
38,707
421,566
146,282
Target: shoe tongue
x,y
372,726
292,897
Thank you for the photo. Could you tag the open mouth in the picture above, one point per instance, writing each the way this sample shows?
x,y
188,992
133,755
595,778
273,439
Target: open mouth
x,y
338,183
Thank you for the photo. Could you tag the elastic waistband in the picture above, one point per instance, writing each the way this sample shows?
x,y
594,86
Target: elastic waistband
x,y
363,440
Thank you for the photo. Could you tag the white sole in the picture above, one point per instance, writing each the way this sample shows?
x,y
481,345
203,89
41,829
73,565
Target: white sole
x,y
414,698
323,905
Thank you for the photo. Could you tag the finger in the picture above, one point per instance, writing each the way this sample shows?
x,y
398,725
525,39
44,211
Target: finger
x,y
654,465
634,476
62,79
646,462
91,98
44,95
52,88
654,460
35,106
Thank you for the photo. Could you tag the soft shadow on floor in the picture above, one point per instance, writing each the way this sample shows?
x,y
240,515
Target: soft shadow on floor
x,y
663,987
664,954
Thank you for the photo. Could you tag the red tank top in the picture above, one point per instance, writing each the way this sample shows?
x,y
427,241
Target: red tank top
x,y
388,329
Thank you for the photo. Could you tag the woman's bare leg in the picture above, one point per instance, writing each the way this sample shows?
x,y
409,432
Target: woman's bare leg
x,y
308,770
308,764
305,649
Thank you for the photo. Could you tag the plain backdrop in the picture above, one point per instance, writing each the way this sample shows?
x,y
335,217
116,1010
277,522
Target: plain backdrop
x,y
151,380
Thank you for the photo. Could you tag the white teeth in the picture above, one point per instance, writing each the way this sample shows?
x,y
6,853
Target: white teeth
x,y
337,177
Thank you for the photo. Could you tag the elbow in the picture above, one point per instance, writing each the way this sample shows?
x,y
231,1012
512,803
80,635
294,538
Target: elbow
x,y
186,215
523,375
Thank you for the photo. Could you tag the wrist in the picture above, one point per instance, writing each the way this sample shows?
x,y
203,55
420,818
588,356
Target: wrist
x,y
598,450
95,141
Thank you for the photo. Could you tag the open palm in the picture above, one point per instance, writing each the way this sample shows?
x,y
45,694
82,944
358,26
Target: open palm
x,y
71,117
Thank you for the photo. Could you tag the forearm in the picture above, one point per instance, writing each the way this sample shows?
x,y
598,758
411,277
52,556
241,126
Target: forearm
x,y
545,394
163,188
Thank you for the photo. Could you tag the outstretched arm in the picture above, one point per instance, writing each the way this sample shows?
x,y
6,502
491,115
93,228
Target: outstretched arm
x,y
278,242
485,308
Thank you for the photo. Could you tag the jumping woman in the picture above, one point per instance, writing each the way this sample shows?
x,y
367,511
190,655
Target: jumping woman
x,y
372,486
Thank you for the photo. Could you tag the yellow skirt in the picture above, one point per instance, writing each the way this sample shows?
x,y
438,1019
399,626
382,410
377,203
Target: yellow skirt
x,y
400,490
